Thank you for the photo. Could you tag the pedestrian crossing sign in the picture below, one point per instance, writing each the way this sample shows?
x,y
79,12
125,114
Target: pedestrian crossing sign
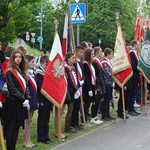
x,y
78,13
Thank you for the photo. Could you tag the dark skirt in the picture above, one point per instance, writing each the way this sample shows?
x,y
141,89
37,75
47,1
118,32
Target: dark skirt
x,y
33,101
14,110
69,98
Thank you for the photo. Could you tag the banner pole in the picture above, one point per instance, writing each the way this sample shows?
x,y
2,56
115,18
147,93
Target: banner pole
x,y
58,123
123,104
141,90
145,98
73,42
2,137
83,114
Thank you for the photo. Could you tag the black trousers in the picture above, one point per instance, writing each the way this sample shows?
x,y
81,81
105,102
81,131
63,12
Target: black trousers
x,y
12,129
120,104
105,104
132,94
95,104
75,113
43,123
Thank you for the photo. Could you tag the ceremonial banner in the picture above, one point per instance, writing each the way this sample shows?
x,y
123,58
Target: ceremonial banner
x,y
120,61
54,85
65,36
122,70
67,45
144,59
137,29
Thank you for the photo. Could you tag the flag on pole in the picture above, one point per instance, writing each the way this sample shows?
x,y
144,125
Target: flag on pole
x,y
144,59
54,85
137,29
67,45
65,36
122,70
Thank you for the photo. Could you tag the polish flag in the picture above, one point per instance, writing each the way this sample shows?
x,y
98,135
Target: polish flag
x,y
65,36
54,86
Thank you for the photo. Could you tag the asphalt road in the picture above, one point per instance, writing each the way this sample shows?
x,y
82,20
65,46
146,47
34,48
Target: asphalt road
x,y
134,134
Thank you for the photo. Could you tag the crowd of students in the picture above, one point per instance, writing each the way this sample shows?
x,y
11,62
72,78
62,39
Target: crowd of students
x,y
88,73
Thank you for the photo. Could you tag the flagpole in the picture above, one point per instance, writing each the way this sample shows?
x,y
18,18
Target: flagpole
x,y
147,22
145,98
2,137
141,90
57,110
72,32
123,104
73,41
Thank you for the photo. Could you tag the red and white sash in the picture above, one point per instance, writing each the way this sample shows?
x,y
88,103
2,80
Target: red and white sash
x,y
107,63
92,70
80,75
96,60
32,82
136,56
72,74
19,78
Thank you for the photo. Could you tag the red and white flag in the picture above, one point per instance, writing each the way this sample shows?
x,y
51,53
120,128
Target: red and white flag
x,y
122,70
65,36
54,85
137,29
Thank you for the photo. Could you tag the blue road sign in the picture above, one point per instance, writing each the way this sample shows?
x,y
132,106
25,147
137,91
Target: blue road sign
x,y
78,13
40,39
99,41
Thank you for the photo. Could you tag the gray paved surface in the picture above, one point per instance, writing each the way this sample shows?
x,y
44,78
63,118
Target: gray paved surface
x,y
132,135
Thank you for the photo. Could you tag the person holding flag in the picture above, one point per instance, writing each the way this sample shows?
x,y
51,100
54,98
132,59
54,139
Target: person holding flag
x,y
134,80
55,77
44,104
80,74
73,88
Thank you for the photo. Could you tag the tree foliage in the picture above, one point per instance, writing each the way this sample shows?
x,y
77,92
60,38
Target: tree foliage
x,y
13,15
100,20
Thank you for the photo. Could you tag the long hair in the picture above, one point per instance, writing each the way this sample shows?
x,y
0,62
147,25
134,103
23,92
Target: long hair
x,y
29,57
68,55
87,56
22,65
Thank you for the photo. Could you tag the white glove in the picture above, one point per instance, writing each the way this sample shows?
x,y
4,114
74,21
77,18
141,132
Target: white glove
x,y
80,90
26,103
28,107
77,94
90,93
95,92
1,105
81,82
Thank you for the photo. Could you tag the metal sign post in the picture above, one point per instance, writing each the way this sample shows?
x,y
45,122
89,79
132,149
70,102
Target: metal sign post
x,y
99,42
27,37
78,15
33,39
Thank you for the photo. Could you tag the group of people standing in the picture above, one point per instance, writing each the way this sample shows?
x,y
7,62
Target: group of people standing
x,y
88,73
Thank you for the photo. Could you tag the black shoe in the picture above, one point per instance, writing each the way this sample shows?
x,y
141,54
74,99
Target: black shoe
x,y
121,116
44,141
77,127
70,131
106,119
112,118
132,113
137,112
